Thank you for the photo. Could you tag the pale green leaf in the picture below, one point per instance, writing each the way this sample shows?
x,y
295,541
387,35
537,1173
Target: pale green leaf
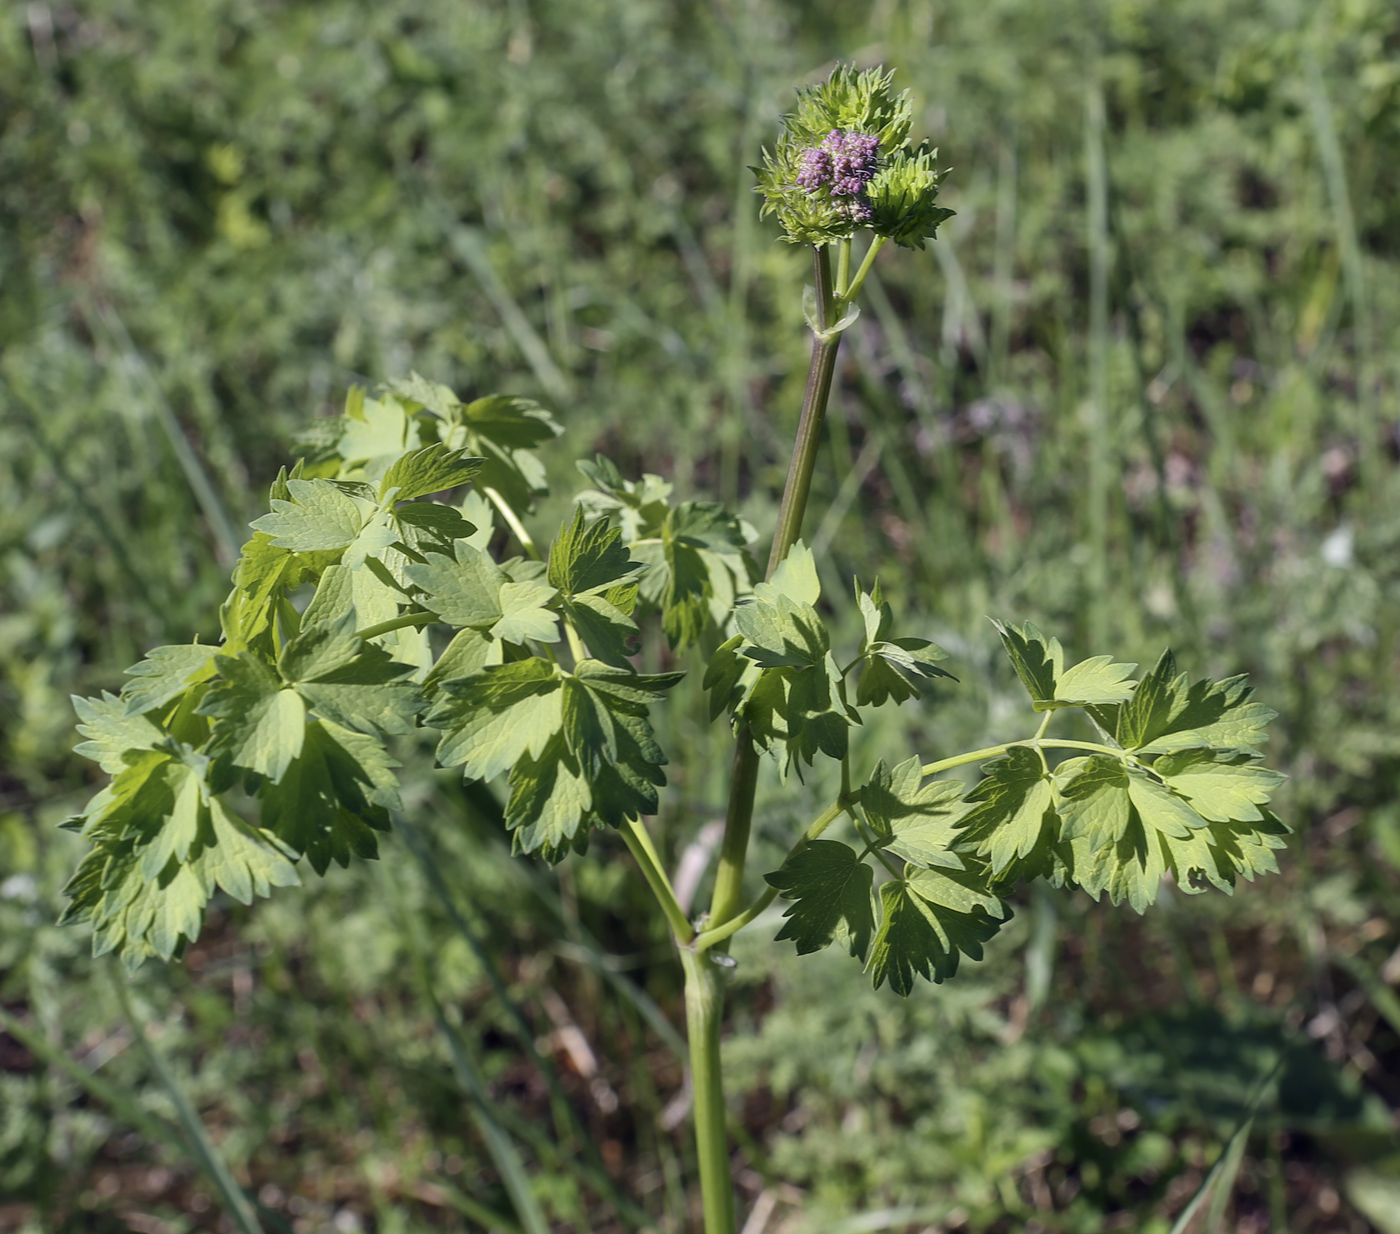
x,y
165,673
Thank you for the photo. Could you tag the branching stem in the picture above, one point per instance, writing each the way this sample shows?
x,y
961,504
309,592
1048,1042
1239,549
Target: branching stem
x,y
703,984
1035,743
527,541
713,934
416,617
849,293
638,839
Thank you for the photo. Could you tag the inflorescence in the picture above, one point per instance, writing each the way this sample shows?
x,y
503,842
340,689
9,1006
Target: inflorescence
x,y
844,163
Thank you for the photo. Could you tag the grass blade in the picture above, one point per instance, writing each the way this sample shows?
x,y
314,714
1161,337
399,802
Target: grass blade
x,y
236,1203
468,245
525,1033
498,1144
1215,1192
122,1106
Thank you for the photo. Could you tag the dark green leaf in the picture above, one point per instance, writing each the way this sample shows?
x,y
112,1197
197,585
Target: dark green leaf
x,y
829,884
929,921
1012,812
588,557
333,797
1039,662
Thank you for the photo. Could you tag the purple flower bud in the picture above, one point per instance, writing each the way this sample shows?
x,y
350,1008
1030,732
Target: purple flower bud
x,y
815,170
853,161
843,164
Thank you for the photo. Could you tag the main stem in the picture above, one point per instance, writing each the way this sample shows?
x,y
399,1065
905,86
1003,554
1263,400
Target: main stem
x,y
704,978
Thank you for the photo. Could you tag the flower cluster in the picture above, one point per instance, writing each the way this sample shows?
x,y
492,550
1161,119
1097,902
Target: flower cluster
x,y
844,164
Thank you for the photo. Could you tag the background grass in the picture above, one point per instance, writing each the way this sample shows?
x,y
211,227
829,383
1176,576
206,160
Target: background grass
x,y
1142,390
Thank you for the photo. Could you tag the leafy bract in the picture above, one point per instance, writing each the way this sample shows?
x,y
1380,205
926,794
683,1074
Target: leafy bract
x,y
829,885
892,666
1039,662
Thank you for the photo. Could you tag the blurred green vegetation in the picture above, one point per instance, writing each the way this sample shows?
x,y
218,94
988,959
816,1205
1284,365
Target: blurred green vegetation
x,y
1143,389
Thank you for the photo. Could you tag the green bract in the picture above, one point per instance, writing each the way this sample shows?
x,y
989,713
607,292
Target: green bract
x,y
901,198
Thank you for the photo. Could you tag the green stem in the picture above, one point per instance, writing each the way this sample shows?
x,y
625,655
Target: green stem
x,y
850,292
809,427
704,991
638,839
419,617
713,934
704,1008
513,521
729,874
843,268
575,643
1035,743
872,845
